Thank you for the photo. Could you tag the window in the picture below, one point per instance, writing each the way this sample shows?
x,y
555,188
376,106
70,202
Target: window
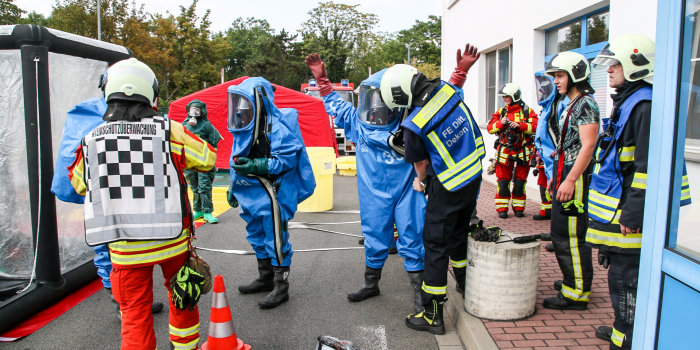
x,y
586,35
498,73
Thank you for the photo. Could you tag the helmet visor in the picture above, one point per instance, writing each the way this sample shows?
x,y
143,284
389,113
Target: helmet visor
x,y
544,86
372,110
195,112
240,111
604,61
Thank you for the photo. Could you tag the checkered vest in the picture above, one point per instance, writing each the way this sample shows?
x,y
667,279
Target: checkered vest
x,y
133,190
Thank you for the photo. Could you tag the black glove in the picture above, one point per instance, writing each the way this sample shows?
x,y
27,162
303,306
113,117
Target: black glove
x,y
536,172
489,234
603,258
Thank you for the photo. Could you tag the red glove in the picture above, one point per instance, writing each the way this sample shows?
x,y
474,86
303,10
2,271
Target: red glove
x,y
464,63
318,69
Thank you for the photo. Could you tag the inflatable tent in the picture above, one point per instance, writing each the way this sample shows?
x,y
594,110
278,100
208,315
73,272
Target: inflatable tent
x,y
314,122
43,254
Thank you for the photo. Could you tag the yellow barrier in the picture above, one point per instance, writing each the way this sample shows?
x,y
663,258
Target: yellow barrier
x,y
347,166
323,164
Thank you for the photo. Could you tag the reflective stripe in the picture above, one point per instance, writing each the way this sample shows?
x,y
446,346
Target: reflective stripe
x,y
573,294
614,239
456,168
186,346
176,148
150,257
184,332
434,290
547,206
441,149
464,176
518,202
685,189
576,293
603,214
617,337
135,246
458,264
429,111
627,154
598,197
640,181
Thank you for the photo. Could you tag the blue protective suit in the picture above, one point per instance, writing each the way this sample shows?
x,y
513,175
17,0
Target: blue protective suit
x,y
80,120
544,140
384,184
289,169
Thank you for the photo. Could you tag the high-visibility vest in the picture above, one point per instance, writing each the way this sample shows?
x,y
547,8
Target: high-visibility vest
x,y
451,137
133,189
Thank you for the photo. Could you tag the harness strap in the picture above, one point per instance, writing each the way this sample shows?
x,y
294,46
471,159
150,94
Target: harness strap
x,y
560,147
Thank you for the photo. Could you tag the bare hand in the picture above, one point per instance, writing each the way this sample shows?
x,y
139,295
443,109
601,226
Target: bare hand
x,y
550,189
514,124
417,185
626,230
565,191
466,61
505,121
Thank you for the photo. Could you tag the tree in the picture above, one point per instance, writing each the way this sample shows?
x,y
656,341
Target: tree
x,y
34,18
9,12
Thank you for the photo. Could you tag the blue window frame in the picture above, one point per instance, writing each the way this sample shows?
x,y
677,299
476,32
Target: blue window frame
x,y
582,25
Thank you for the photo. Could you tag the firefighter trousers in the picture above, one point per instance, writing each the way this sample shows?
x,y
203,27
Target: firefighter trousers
x,y
133,290
546,200
569,241
447,217
505,175
622,281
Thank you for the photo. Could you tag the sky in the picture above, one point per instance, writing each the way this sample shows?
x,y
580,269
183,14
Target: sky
x,y
394,15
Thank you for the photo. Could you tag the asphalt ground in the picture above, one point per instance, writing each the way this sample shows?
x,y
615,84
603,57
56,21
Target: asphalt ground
x,y
319,283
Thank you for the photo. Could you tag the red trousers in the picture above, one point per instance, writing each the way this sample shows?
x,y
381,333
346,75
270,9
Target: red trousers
x,y
504,175
133,290
546,205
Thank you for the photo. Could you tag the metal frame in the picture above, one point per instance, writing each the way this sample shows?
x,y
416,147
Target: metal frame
x,y
588,51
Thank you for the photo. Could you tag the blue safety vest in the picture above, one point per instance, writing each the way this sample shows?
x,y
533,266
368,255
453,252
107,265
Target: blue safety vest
x,y
606,185
451,137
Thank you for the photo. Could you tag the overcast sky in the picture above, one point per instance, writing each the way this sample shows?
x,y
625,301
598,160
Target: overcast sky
x,y
394,15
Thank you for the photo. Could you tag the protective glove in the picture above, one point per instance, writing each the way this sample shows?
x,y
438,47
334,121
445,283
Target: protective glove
x,y
186,288
535,172
572,207
318,69
603,259
464,63
232,201
489,234
244,166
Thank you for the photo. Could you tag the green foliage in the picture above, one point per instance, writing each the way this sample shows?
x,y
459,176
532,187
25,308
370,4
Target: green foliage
x,y
9,12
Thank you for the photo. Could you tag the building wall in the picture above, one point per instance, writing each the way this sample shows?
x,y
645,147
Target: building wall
x,y
491,25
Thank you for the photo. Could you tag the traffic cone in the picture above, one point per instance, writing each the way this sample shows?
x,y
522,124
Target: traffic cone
x,y
222,332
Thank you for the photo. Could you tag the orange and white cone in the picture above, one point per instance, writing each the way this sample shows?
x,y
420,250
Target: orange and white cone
x,y
222,332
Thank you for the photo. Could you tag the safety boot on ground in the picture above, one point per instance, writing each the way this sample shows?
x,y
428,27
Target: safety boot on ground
x,y
430,320
604,332
265,281
557,284
502,214
280,292
197,215
542,216
519,214
560,302
210,218
416,278
371,286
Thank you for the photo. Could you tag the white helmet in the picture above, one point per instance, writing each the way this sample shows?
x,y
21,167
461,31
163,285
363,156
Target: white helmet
x,y
633,51
576,65
397,84
512,90
130,80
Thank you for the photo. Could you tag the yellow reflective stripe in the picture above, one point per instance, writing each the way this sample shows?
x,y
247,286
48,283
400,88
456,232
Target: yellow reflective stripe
x,y
640,181
133,246
600,198
78,179
627,154
428,111
441,149
186,346
573,244
614,239
176,148
521,202
573,294
500,200
434,290
184,332
617,337
465,175
546,206
458,264
200,156
479,141
600,212
150,257
454,169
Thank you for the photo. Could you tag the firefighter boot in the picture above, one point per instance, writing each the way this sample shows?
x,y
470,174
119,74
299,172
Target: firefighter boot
x,y
371,286
604,332
279,293
460,276
210,218
416,278
264,283
429,320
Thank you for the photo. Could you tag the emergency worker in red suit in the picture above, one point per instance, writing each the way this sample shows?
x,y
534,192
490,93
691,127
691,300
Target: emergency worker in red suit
x,y
515,125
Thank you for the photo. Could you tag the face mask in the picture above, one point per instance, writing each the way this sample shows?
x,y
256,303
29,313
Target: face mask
x,y
195,112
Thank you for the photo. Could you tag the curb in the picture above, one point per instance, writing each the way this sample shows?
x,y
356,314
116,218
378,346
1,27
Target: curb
x,y
470,330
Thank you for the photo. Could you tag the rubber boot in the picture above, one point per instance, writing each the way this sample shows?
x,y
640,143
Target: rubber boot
x,y
280,292
264,283
429,320
460,276
210,218
371,286
416,278
197,215
604,333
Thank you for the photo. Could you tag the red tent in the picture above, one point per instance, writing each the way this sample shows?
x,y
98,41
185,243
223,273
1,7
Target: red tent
x,y
313,121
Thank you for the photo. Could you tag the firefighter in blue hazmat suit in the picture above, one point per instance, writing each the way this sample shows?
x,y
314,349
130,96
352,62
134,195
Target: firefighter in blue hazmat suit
x,y
271,175
384,183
